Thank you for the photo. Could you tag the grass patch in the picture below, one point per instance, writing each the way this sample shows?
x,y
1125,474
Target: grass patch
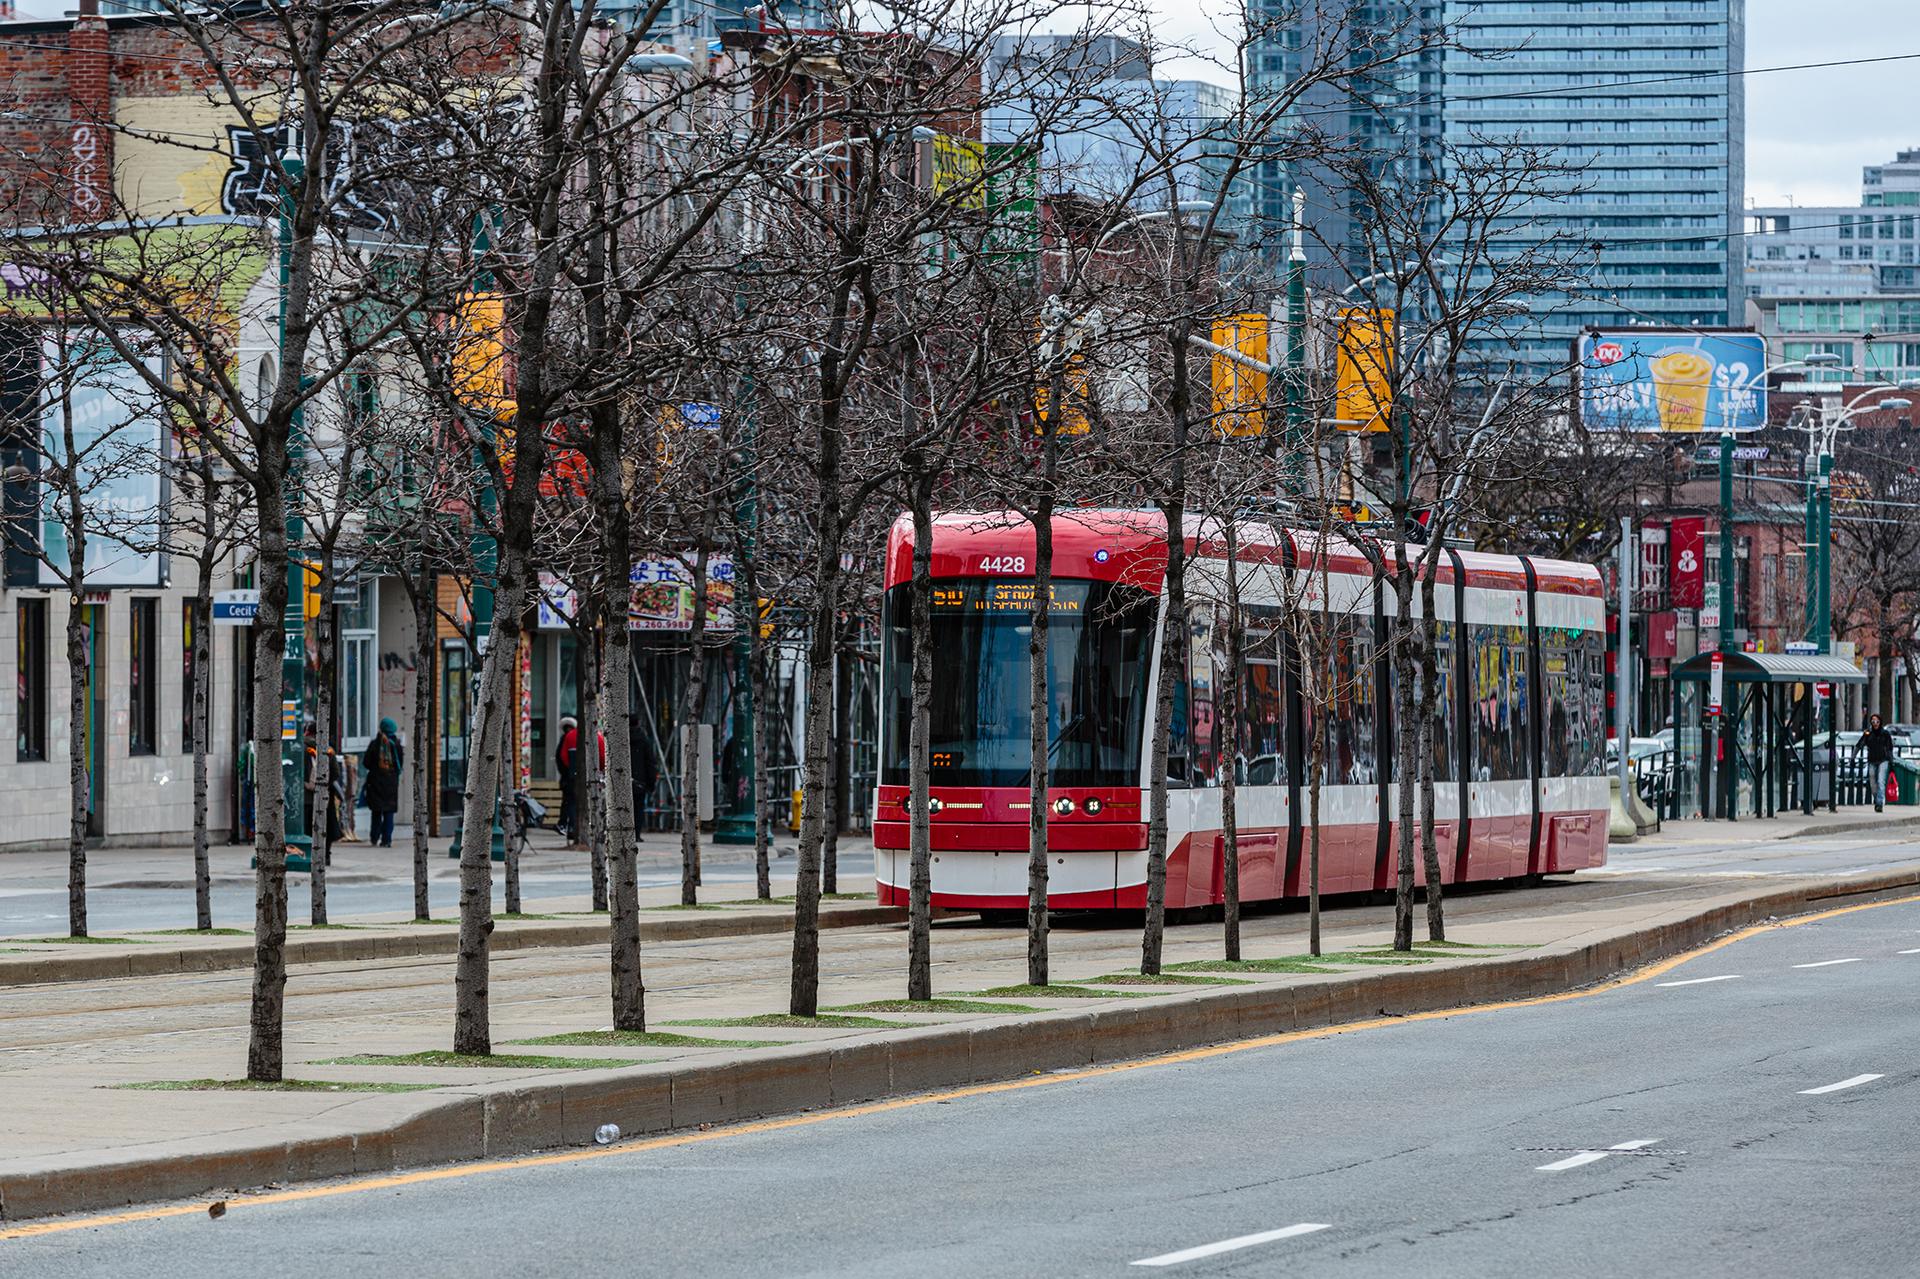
x,y
86,941
323,928
826,1021
198,932
684,906
1288,965
642,1039
1065,991
496,1061
523,915
279,1085
1363,957
1162,979
1462,949
933,1006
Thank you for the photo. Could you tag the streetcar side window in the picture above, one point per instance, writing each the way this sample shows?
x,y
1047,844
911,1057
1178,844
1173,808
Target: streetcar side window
x,y
1498,657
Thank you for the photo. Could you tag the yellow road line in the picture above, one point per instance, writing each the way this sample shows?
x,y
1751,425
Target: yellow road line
x,y
424,1176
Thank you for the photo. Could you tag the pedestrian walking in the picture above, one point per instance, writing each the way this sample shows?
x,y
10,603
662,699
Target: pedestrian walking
x,y
380,766
566,758
1877,742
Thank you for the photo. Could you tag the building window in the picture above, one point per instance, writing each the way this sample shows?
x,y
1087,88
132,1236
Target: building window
x,y
359,691
31,675
143,691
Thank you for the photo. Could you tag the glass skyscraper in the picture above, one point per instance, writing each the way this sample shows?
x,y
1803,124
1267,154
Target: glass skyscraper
x,y
1639,105
1644,101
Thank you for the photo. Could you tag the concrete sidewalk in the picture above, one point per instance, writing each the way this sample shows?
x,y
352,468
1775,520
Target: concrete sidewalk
x,y
1821,824
85,1127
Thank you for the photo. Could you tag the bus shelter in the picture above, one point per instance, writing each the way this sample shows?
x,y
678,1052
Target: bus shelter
x,y
1759,753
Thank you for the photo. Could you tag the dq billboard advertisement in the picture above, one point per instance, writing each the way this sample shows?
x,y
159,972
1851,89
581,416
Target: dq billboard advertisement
x,y
1672,380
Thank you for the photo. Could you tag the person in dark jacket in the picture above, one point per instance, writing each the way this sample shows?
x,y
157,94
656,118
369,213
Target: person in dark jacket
x,y
1877,742
380,767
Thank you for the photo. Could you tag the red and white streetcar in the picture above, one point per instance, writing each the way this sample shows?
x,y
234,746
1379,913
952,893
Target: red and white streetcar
x,y
1518,749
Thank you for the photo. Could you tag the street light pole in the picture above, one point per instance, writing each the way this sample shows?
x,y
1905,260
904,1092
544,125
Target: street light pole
x,y
293,661
1296,340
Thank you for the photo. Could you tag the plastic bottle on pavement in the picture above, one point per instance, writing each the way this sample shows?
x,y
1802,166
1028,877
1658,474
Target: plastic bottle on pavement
x,y
607,1134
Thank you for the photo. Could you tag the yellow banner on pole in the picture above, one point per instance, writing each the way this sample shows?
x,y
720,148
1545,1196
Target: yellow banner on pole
x,y
1239,389
480,354
1363,370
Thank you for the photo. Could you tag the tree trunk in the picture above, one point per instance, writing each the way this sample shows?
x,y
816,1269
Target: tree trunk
x,y
919,750
1406,745
593,799
822,653
1429,716
692,711
264,1047
1227,690
1039,699
612,601
472,1022
78,790
424,651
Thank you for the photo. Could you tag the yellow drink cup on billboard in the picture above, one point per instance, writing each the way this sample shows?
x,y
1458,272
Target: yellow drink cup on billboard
x,y
1681,382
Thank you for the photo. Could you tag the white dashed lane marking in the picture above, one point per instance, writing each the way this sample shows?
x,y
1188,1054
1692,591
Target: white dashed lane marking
x,y
1233,1245
1594,1156
1854,1082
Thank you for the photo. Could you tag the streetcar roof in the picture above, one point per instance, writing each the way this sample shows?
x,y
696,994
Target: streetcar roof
x,y
1129,546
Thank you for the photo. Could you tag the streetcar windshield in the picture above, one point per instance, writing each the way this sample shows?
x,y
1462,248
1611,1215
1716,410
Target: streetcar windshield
x,y
1098,648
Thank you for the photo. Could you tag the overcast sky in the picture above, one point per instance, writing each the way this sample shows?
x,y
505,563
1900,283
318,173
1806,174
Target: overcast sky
x,y
1808,132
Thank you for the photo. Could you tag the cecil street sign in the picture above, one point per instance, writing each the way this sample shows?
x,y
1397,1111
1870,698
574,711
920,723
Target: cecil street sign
x,y
235,608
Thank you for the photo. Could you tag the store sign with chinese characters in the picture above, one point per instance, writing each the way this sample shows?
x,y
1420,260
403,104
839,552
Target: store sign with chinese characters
x,y
662,595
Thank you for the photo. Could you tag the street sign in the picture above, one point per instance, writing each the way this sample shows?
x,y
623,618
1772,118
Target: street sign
x,y
1802,648
1716,683
1823,691
289,720
236,608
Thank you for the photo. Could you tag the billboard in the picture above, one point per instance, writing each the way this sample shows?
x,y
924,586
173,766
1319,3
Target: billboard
x,y
958,166
1363,372
119,451
1672,380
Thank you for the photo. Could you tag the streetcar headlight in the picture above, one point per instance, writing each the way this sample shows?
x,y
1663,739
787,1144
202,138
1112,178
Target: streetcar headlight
x,y
1063,806
934,805
1092,806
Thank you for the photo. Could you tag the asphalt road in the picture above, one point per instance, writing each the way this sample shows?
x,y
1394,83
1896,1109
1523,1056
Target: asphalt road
x,y
33,887
1750,1112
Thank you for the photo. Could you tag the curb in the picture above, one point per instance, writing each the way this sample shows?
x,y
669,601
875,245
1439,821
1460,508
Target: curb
x,y
516,1119
443,939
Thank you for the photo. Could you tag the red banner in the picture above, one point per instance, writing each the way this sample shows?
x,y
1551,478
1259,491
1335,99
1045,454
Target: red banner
x,y
1687,549
1662,635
